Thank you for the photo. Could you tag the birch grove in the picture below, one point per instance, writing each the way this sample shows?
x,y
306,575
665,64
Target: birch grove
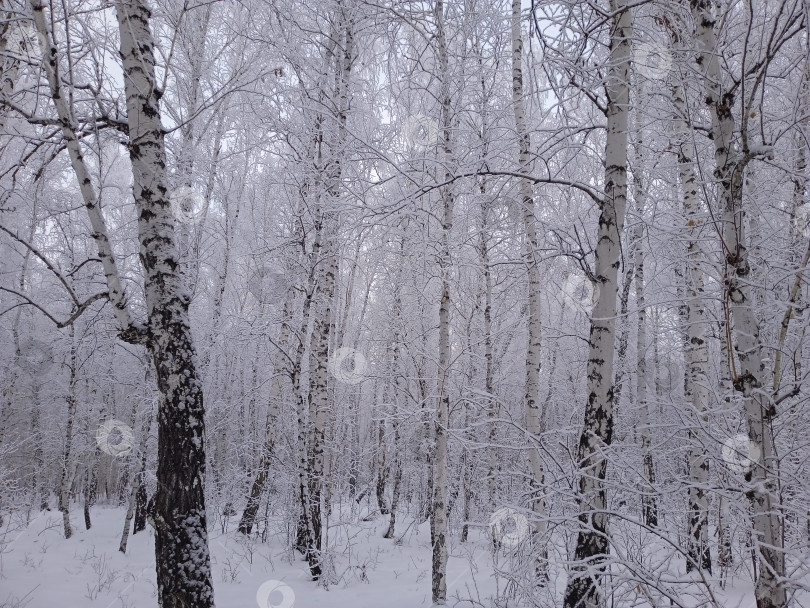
x,y
404,303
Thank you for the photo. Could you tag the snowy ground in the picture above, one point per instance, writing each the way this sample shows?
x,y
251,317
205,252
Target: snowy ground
x,y
40,569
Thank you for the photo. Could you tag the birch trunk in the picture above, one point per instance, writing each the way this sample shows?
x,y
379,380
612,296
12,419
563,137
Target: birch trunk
x,y
531,397
649,502
585,576
66,477
61,98
327,227
305,534
492,405
697,351
749,379
442,421
395,491
137,483
9,62
382,466
395,369
181,539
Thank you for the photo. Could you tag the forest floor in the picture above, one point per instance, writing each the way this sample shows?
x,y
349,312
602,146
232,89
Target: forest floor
x,y
40,569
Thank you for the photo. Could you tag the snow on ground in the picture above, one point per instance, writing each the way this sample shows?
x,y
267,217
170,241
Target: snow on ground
x,y
40,569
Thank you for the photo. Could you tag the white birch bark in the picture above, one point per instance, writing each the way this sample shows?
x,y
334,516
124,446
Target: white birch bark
x,y
9,61
326,258
697,351
585,576
532,394
398,389
442,421
181,538
649,502
67,466
749,379
137,482
61,100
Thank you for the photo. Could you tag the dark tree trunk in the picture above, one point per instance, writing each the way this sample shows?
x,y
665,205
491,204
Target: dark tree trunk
x,y
181,538
140,508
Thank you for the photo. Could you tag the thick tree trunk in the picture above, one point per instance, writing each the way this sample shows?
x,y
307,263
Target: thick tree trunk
x,y
181,539
585,576
91,476
305,532
466,466
318,390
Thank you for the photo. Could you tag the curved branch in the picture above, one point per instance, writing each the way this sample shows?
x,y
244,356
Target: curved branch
x,y
45,261
536,180
81,307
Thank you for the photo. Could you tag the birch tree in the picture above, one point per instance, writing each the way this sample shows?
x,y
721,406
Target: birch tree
x,y
593,540
181,539
537,502
731,157
439,527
